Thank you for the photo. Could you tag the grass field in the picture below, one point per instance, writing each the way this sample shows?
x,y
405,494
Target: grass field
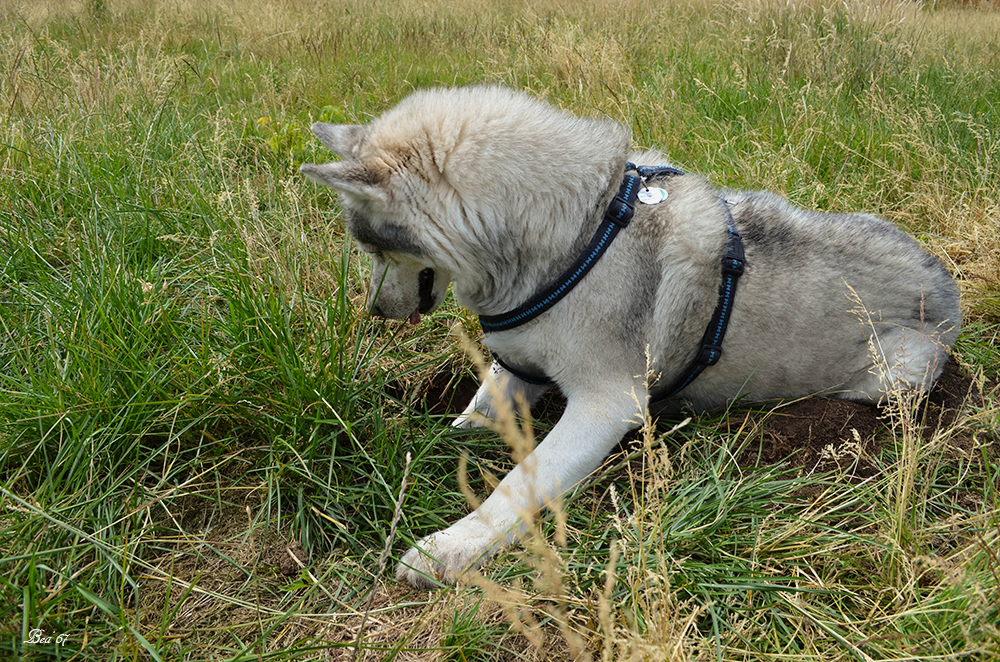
x,y
203,436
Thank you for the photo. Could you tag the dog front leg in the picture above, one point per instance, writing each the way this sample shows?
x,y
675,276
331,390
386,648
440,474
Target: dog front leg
x,y
587,431
484,406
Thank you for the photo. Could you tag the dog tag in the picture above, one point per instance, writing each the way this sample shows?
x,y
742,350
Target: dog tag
x,y
651,196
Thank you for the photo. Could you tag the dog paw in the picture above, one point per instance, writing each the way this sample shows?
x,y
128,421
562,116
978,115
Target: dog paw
x,y
469,419
478,413
442,557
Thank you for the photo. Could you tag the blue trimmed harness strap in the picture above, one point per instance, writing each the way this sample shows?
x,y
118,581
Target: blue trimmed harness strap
x,y
710,351
618,215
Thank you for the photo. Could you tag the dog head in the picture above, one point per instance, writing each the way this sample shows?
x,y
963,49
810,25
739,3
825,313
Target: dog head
x,y
406,282
468,185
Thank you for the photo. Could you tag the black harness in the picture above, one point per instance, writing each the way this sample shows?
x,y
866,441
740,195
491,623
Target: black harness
x,y
617,217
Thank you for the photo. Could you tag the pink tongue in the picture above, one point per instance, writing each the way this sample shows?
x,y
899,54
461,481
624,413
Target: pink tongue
x,y
415,317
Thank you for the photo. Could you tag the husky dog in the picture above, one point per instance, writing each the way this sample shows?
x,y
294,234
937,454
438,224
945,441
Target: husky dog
x,y
499,194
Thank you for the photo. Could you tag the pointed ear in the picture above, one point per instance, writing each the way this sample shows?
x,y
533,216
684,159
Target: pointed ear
x,y
351,178
341,138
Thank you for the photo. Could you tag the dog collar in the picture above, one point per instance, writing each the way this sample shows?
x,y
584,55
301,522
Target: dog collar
x,y
617,216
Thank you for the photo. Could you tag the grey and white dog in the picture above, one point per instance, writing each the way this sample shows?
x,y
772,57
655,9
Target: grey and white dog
x,y
499,193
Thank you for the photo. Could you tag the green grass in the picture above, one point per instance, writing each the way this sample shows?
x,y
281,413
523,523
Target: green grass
x,y
189,384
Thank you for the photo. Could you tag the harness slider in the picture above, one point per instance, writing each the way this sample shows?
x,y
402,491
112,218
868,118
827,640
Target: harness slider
x,y
709,354
733,265
620,212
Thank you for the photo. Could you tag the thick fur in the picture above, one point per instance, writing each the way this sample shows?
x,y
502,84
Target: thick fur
x,y
498,193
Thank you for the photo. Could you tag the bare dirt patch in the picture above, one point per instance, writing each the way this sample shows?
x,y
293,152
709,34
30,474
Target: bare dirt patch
x,y
818,434
830,434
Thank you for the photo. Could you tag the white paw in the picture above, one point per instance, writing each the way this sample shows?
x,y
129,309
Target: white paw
x,y
443,557
469,419
478,413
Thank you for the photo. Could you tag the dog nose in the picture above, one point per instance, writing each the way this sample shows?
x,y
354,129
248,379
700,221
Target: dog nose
x,y
376,311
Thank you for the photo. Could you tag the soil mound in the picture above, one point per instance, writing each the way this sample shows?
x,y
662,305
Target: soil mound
x,y
823,434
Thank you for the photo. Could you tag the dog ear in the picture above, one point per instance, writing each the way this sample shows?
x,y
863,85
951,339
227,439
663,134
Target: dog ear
x,y
357,180
341,138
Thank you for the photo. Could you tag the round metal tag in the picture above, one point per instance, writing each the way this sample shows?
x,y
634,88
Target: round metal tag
x,y
651,196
